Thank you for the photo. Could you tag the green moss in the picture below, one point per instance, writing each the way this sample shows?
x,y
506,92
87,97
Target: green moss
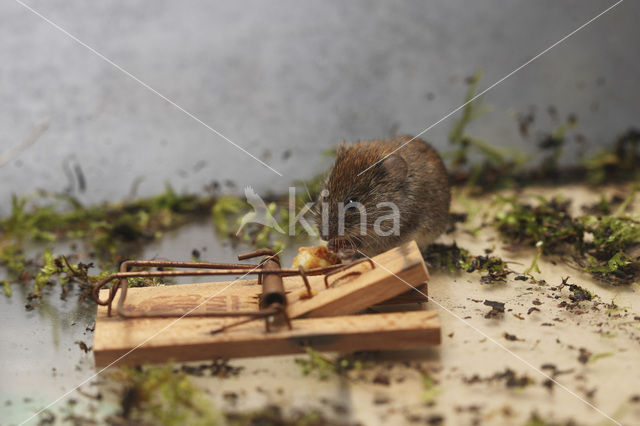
x,y
608,335
163,396
492,166
449,257
62,270
548,222
49,217
536,420
12,258
550,226
453,258
620,161
595,357
495,268
48,270
36,224
606,255
431,390
158,395
612,235
145,282
226,213
7,287
58,270
324,367
534,264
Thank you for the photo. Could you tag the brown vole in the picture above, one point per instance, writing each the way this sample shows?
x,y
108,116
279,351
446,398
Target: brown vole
x,y
406,196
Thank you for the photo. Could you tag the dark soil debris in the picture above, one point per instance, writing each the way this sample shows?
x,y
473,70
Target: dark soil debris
x,y
382,379
578,294
82,345
510,378
511,337
584,355
453,258
497,308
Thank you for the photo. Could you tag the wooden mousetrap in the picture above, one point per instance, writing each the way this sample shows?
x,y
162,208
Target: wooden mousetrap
x,y
281,312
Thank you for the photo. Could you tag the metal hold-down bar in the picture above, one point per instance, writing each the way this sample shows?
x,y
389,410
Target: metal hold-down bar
x,y
273,300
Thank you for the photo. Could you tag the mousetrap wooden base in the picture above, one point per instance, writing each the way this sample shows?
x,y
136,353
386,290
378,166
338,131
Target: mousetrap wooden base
x,y
326,321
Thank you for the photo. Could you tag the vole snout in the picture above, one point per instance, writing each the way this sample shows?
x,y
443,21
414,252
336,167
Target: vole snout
x,y
342,247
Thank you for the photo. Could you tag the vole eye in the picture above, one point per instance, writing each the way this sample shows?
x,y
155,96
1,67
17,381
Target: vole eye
x,y
351,204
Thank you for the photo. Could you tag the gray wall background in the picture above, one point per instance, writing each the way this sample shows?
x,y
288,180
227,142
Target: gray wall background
x,y
288,76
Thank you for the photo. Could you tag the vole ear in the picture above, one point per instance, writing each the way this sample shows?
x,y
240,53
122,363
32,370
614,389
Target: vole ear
x,y
341,149
395,167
